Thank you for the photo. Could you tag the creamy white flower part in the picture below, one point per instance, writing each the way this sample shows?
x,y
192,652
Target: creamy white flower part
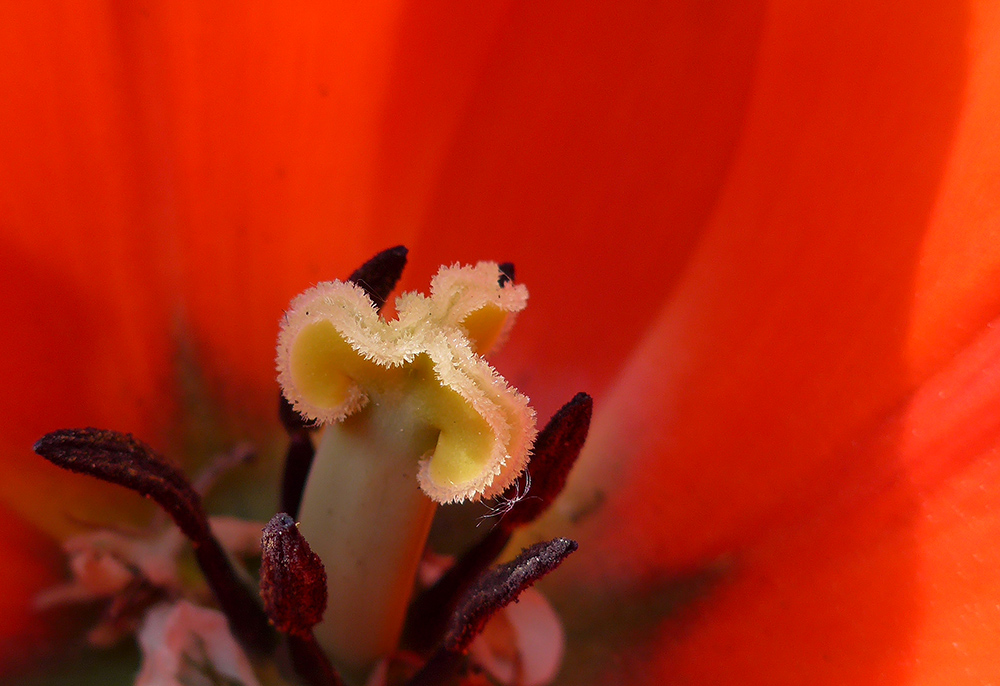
x,y
183,644
336,355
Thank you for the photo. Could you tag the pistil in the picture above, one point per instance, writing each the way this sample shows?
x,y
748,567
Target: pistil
x,y
368,521
414,417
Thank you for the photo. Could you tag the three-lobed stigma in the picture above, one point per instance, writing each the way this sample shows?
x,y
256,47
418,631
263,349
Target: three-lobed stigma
x,y
336,355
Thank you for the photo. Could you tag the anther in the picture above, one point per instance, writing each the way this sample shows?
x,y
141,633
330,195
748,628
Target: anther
x,y
293,587
555,452
123,460
290,417
553,456
379,275
292,578
506,273
493,591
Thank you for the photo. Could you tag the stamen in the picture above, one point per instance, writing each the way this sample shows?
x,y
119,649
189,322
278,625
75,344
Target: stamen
x,y
121,459
500,586
293,587
379,275
240,455
311,663
298,462
555,452
298,457
290,417
506,273
493,591
553,456
292,578
428,616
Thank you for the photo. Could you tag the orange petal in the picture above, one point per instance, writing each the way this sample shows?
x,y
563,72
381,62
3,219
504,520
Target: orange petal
x,y
163,198
954,291
895,580
87,323
586,144
853,254
785,337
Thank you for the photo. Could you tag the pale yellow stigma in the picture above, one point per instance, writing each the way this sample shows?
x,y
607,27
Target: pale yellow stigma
x,y
336,354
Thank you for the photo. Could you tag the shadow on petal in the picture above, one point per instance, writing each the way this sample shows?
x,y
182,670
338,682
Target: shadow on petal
x,y
732,435
30,564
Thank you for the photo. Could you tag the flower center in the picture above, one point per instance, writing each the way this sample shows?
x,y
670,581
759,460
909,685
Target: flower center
x,y
415,416
412,416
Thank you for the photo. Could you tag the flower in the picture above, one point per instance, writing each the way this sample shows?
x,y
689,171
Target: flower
x,y
761,234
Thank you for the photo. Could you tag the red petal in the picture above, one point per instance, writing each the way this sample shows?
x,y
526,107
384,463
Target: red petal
x,y
30,564
788,334
895,579
853,254
586,144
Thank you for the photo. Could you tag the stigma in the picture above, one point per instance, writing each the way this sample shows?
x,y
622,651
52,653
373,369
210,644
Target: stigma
x,y
337,355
